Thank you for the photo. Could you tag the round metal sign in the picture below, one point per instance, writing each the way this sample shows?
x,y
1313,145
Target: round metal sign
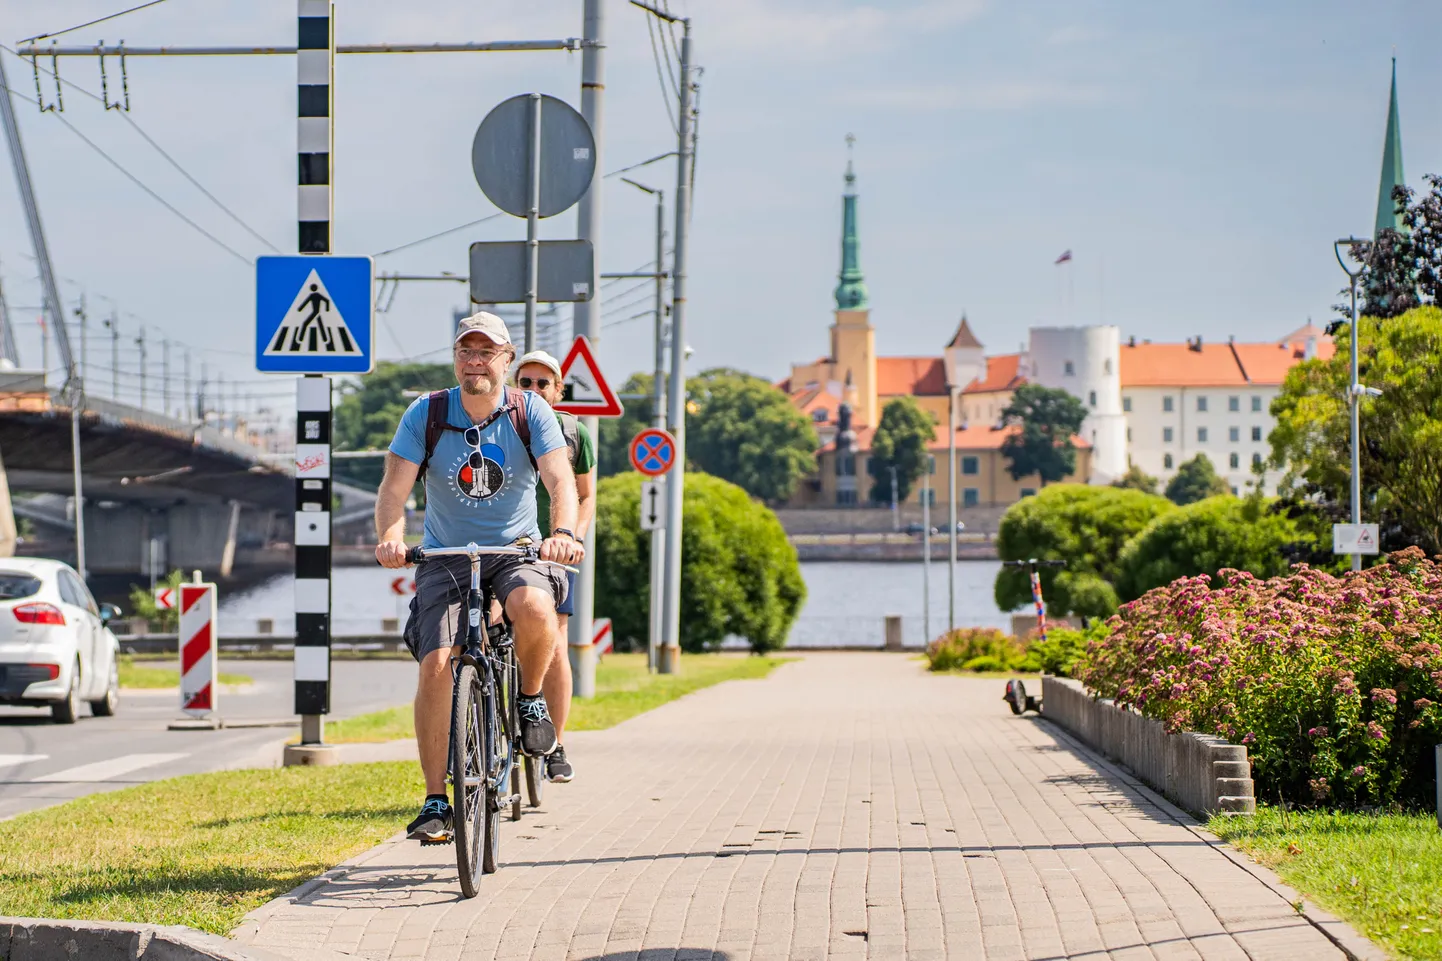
x,y
501,155
653,451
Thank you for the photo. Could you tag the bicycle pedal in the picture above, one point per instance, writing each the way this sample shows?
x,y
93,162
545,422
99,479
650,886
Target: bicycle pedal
x,y
427,843
504,802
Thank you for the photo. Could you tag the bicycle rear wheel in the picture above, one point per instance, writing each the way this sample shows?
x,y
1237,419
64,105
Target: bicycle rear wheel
x,y
496,761
470,795
535,779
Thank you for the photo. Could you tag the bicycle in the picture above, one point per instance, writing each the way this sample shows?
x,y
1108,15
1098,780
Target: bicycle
x,y
485,722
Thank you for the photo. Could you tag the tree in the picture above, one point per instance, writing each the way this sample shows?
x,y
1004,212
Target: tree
x,y
745,431
1195,480
1203,538
739,573
1136,479
1401,451
1048,418
1083,525
370,409
901,441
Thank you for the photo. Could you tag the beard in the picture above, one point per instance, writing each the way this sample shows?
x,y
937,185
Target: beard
x,y
478,385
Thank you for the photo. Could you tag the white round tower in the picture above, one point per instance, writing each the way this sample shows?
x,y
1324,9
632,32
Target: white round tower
x,y
1086,363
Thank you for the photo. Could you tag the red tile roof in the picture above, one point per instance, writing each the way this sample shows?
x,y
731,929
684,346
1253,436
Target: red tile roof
x,y
1003,372
1212,365
910,376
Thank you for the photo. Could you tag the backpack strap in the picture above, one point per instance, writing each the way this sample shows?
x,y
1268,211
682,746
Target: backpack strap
x,y
571,431
516,403
438,409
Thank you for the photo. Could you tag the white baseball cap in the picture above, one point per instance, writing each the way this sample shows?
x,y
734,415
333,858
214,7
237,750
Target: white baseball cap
x,y
483,322
542,358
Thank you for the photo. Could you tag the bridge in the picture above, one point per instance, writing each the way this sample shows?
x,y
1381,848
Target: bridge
x,y
207,498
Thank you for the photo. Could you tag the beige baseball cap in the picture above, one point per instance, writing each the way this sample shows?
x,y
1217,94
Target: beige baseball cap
x,y
542,358
483,322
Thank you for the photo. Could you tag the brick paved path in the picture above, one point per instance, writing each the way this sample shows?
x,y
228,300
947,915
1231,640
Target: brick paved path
x,y
849,806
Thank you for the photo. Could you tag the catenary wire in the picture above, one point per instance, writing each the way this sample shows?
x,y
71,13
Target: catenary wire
x,y
660,77
91,23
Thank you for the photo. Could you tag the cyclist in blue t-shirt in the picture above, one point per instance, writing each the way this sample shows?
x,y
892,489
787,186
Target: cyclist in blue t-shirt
x,y
480,487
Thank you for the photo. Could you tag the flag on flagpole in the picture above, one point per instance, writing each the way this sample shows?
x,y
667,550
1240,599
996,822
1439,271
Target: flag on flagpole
x,y
1065,257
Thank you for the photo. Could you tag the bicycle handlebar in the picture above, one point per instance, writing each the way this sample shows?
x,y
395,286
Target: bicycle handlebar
x,y
1033,563
531,555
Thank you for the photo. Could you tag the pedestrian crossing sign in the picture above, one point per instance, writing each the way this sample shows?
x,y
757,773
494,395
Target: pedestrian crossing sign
x,y
314,314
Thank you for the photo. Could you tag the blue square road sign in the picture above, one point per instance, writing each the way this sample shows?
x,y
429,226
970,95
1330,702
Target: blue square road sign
x,y
314,314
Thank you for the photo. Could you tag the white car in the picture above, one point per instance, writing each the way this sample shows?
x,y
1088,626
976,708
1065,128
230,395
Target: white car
x,y
55,647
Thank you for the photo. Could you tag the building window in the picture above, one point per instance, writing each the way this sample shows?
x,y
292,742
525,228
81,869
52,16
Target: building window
x,y
1107,366
1070,368
1166,405
1028,491
970,497
1129,435
1092,398
969,465
1234,461
1202,404
1166,435
1234,490
1201,435
846,467
1126,405
931,464
846,498
1167,461
1256,460
1256,404
1234,403
1234,434
821,415
931,496
1256,433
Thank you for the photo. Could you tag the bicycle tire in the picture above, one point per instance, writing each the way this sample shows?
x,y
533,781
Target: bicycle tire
x,y
535,780
513,729
470,796
495,763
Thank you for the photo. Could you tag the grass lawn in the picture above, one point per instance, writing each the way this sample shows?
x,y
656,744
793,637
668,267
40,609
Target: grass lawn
x,y
146,675
1381,872
200,850
624,688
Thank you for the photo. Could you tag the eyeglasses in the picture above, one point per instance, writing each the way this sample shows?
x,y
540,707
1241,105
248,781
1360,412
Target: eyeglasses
x,y
485,355
541,383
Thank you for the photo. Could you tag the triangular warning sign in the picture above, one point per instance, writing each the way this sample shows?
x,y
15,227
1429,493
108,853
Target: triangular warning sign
x,y
586,392
313,326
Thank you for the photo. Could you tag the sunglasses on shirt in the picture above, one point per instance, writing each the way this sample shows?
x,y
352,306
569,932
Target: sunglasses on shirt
x,y
540,383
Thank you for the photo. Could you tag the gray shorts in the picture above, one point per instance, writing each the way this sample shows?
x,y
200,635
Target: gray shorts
x,y
438,609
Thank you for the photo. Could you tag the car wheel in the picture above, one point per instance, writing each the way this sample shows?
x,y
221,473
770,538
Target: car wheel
x,y
105,707
68,710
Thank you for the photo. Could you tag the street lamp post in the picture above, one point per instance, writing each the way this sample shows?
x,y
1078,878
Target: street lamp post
x,y
951,512
1355,390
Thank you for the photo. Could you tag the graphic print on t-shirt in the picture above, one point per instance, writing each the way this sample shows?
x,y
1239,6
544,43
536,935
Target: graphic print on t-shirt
x,y
481,474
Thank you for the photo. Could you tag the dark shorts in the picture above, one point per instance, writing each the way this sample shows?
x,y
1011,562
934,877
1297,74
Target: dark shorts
x,y
568,606
438,609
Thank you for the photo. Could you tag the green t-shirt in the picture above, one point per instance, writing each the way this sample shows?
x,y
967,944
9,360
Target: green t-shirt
x,y
583,461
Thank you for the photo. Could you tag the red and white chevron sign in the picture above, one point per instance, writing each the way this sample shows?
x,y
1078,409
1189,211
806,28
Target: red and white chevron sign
x,y
197,649
601,636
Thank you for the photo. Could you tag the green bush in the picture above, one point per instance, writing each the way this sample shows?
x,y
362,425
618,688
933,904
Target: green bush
x,y
985,663
1204,538
961,647
142,604
1085,526
1334,684
1063,649
739,573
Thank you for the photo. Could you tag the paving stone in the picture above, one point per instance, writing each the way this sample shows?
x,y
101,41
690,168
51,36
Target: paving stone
x,y
848,806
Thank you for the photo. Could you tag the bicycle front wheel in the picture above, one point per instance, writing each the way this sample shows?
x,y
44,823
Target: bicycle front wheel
x,y
535,779
470,794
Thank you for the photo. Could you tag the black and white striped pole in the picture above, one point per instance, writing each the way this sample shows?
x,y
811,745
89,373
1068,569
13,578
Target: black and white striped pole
x,y
315,75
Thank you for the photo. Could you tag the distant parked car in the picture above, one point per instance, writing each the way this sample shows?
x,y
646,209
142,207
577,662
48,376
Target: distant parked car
x,y
919,529
56,649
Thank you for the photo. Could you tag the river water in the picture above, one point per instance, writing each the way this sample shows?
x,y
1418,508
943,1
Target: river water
x,y
845,604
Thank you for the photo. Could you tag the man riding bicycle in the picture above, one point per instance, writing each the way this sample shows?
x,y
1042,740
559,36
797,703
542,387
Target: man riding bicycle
x,y
482,448
541,372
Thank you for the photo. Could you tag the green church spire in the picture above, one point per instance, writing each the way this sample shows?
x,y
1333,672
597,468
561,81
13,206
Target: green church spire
x,y
851,292
1387,218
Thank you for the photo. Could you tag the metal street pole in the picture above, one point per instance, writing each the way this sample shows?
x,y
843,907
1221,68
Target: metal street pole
x,y
533,222
165,376
670,660
73,384
926,551
586,320
140,342
114,324
1354,389
951,512
895,507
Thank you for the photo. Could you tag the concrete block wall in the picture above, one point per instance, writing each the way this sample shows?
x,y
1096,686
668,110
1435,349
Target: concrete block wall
x,y
1201,773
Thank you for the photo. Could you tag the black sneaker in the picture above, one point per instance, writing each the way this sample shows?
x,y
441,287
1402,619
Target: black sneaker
x,y
433,824
538,734
557,767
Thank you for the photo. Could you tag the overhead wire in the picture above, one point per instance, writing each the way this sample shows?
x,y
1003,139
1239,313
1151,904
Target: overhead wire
x,y
91,23
158,149
660,77
443,233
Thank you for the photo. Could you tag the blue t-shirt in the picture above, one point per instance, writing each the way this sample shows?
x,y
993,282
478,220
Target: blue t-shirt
x,y
491,505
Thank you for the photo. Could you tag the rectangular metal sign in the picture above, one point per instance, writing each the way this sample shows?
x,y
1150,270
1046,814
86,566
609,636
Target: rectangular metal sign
x,y
314,314
565,269
1355,539
653,504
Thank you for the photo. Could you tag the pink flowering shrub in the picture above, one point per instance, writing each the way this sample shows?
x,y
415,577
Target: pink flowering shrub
x,y
1333,683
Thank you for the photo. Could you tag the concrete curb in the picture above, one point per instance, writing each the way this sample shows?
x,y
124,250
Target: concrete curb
x,y
1333,928
45,939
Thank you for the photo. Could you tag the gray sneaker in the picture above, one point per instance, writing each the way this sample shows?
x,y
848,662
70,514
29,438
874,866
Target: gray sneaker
x,y
538,734
559,769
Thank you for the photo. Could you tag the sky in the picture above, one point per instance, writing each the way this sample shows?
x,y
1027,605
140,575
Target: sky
x,y
1198,159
